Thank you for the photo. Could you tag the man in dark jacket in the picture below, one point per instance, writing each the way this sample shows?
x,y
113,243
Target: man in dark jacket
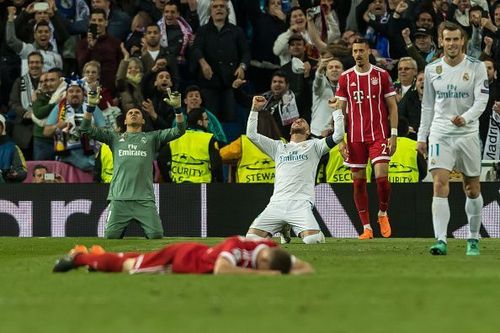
x,y
222,52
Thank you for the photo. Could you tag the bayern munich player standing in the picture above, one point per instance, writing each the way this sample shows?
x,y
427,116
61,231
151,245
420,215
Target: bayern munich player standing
x,y
366,94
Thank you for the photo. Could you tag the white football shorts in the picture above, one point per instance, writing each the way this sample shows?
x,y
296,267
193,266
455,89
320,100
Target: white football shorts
x,y
462,153
297,213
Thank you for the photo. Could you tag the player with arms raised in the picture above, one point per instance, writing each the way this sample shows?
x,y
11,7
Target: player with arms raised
x,y
366,95
455,94
296,163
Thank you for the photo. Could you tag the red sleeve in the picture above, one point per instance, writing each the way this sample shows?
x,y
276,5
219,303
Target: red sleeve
x,y
341,92
387,86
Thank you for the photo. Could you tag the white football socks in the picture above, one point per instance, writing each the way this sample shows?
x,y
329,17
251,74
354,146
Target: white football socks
x,y
473,209
440,217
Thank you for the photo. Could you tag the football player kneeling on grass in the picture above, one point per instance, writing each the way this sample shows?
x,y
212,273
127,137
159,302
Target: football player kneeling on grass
x,y
235,255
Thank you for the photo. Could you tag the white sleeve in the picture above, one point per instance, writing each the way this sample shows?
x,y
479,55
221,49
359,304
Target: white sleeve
x,y
481,95
427,107
338,126
267,145
281,43
321,147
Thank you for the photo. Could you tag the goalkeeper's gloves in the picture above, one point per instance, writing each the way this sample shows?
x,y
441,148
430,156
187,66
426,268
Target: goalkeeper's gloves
x,y
174,100
93,98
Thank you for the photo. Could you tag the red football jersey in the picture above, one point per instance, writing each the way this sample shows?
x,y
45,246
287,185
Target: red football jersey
x,y
365,94
199,258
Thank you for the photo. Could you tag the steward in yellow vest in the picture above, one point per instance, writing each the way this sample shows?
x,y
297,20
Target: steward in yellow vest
x,y
194,157
254,165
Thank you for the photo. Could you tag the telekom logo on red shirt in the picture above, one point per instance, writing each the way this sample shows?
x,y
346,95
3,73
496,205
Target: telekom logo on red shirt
x,y
357,95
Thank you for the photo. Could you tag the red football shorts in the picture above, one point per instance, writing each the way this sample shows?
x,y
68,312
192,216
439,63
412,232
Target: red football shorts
x,y
359,153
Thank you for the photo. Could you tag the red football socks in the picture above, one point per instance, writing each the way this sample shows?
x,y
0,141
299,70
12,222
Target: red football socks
x,y
384,193
106,262
361,200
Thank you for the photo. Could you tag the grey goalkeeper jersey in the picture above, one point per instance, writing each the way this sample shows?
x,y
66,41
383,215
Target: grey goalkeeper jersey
x,y
133,156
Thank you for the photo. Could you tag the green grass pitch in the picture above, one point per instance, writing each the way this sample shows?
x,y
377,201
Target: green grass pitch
x,y
384,285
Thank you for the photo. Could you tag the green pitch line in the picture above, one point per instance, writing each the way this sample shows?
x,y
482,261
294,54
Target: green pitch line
x,y
384,285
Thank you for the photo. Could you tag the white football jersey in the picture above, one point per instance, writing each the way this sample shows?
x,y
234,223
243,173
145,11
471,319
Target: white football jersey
x,y
296,163
450,91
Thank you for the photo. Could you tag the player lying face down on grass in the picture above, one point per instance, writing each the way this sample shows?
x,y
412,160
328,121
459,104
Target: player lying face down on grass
x,y
235,255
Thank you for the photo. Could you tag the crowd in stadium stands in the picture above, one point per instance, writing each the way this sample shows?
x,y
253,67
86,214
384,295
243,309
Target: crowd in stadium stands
x,y
217,54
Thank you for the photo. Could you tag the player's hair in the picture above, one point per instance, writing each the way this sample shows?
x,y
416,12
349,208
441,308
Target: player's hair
x,y
450,26
361,41
280,260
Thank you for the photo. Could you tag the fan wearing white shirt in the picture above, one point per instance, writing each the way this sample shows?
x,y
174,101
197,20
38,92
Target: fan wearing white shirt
x,y
455,95
296,162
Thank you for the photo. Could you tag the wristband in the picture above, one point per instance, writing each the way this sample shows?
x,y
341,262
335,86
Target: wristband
x,y
178,111
91,108
394,132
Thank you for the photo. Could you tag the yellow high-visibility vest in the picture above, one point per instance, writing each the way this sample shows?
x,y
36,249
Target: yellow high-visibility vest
x,y
254,165
106,157
191,158
403,167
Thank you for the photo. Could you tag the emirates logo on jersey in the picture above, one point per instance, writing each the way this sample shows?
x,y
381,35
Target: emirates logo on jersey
x,y
374,81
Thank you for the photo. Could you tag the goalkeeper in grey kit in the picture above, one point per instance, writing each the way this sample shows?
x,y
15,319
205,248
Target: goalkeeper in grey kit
x,y
131,190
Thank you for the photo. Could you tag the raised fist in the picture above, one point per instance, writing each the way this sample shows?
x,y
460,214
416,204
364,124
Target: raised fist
x,y
258,103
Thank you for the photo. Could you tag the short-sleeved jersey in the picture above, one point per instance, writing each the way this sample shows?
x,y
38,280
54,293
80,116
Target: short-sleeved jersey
x,y
365,94
240,251
196,258
449,91
133,156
